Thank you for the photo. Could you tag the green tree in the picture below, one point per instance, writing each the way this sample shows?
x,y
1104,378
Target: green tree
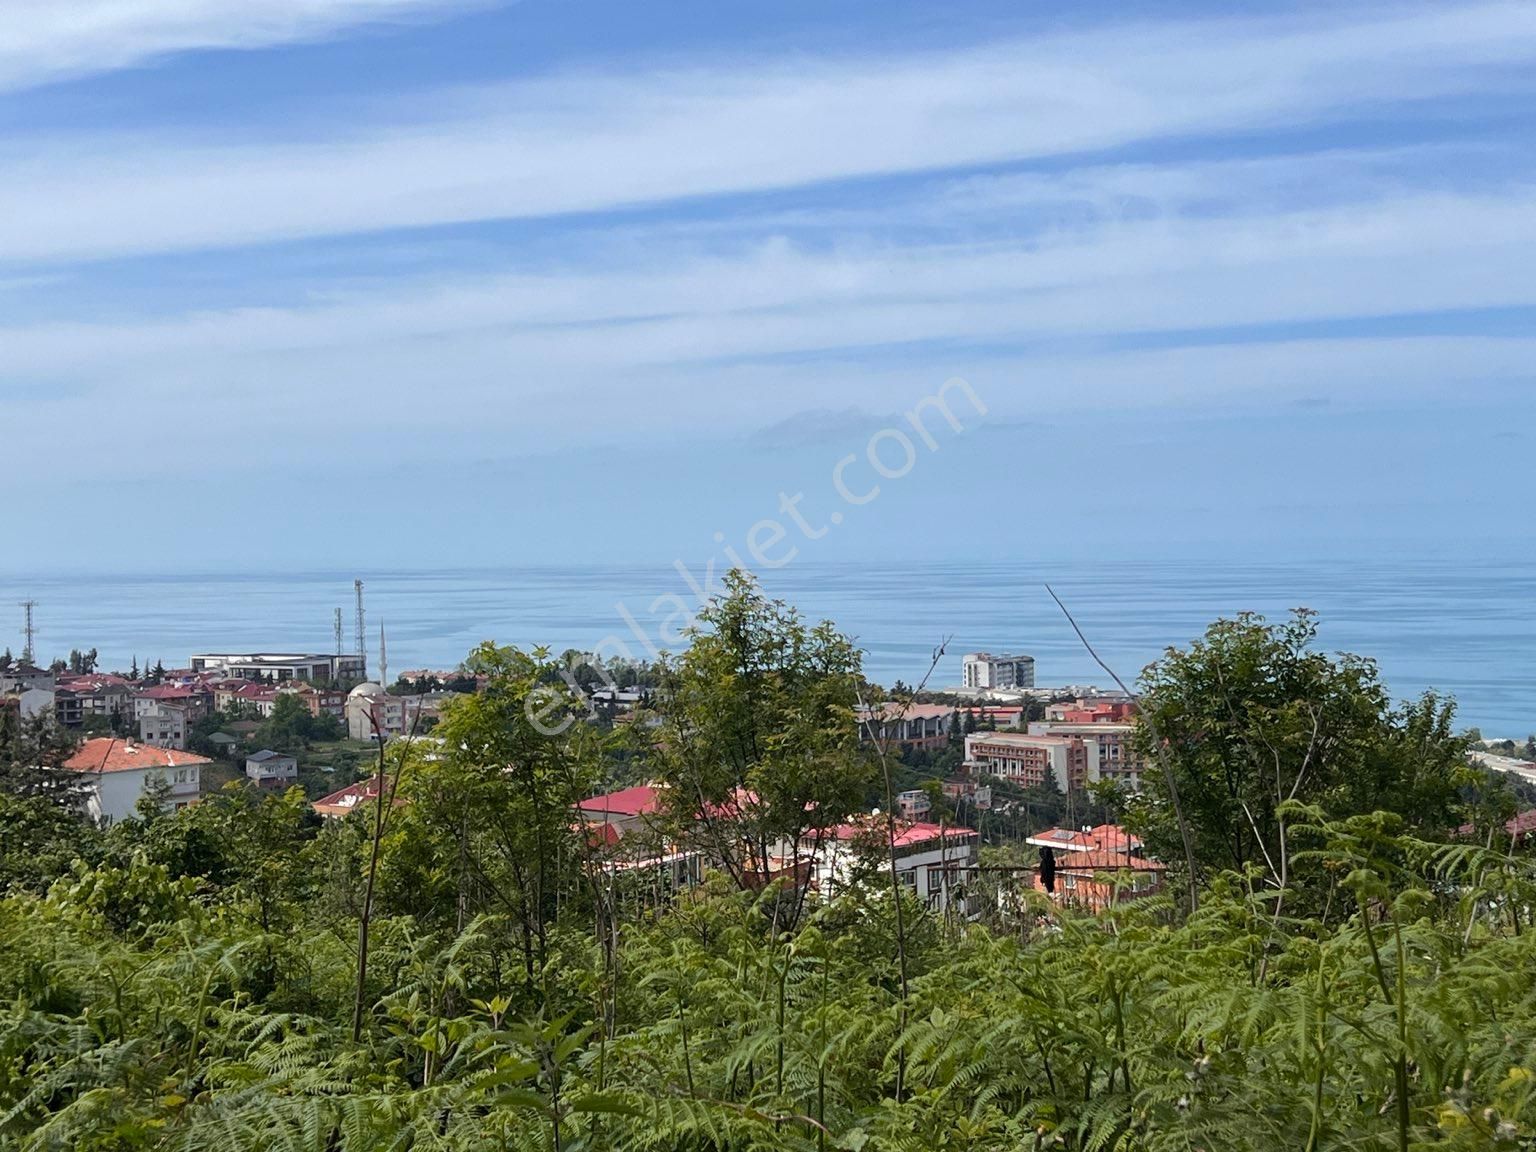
x,y
760,745
1252,717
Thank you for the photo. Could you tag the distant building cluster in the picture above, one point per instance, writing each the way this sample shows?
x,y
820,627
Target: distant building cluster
x,y
932,860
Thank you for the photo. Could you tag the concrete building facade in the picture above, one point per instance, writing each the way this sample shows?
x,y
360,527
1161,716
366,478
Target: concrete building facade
x,y
983,670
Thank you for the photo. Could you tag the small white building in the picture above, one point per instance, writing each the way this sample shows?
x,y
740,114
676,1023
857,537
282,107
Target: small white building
x,y
119,772
268,769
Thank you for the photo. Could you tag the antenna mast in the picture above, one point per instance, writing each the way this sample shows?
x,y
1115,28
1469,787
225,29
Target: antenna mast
x,y
362,629
28,656
383,658
339,634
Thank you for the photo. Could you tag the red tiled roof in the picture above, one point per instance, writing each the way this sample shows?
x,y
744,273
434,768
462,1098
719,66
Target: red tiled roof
x,y
1520,825
1103,837
110,755
168,692
1099,861
908,832
892,710
641,800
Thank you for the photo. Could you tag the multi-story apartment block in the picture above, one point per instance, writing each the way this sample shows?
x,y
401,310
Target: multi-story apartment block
x,y
984,670
1030,761
1111,747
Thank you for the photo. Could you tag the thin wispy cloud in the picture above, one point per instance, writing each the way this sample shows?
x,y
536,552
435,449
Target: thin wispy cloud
x,y
405,249
44,41
581,142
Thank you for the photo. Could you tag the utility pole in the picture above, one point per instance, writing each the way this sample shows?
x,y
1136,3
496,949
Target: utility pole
x,y
362,630
28,656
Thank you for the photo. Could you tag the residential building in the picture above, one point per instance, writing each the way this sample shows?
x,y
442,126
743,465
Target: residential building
x,y
322,701
984,670
913,804
34,702
969,792
279,667
993,717
238,695
932,860
1110,745
268,769
1099,880
95,694
21,678
164,726
119,772
1100,838
371,711
919,726
1094,868
68,708
195,700
344,801
1030,761
625,829
1091,711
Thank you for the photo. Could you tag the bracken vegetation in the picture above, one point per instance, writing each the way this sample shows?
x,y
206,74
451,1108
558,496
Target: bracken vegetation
x,y
1343,971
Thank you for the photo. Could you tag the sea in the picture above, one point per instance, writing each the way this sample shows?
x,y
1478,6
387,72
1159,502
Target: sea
x,y
1463,628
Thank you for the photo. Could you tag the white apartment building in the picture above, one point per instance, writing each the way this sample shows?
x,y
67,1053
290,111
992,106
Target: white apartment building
x,y
984,670
281,666
119,772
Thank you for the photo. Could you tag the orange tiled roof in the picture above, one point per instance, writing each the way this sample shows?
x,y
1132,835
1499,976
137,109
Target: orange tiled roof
x,y
110,755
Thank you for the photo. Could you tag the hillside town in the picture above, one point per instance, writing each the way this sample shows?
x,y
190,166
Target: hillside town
x,y
972,758
996,759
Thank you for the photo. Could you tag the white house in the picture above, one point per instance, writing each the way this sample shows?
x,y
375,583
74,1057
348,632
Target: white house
x,y
270,769
934,861
118,772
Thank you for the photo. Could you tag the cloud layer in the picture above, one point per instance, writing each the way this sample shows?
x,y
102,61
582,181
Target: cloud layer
x,y
50,40
585,142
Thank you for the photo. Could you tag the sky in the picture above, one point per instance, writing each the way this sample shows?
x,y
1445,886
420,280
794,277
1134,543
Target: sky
x,y
458,282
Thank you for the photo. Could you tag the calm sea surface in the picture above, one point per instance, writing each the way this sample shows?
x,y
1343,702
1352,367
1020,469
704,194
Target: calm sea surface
x,y
1463,629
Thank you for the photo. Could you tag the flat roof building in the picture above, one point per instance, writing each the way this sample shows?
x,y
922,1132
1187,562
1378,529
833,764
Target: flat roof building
x,y
280,666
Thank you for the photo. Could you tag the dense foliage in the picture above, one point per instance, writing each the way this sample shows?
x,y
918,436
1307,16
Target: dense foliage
x,y
193,980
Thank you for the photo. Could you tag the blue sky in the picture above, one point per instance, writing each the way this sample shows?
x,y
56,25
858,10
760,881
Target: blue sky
x,y
454,282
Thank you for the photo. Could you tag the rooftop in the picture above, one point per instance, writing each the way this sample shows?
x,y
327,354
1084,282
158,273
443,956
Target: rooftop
x,y
105,754
1101,838
641,800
